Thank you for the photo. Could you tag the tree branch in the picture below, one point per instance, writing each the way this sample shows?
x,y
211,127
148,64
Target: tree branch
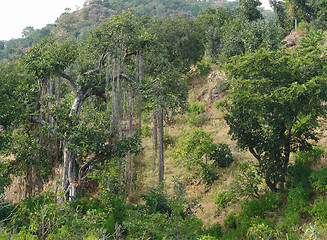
x,y
70,79
42,123
128,78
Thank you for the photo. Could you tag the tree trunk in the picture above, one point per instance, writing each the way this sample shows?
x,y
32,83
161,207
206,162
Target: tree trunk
x,y
155,147
161,148
70,166
107,88
129,158
141,77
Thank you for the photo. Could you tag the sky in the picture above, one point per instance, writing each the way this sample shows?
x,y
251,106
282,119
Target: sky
x,y
15,15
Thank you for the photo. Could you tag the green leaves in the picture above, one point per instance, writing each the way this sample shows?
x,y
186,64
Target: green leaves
x,y
276,105
48,57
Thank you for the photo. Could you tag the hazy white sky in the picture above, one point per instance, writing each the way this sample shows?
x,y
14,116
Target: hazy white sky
x,y
15,15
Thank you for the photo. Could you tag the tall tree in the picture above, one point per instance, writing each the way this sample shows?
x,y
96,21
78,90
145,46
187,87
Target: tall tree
x,y
249,9
276,106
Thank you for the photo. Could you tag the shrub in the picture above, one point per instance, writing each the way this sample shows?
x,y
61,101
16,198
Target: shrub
x,y
204,67
223,199
298,199
206,174
312,156
230,222
319,180
260,231
146,131
221,104
259,207
156,201
215,230
197,116
319,210
194,148
168,139
299,174
248,183
287,223
222,155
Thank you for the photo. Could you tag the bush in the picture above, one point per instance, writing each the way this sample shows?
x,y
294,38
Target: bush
x,y
156,201
248,183
194,148
299,174
168,139
260,231
312,156
290,220
319,181
298,199
259,207
215,230
197,116
230,222
319,210
206,174
146,131
221,104
222,155
223,199
204,67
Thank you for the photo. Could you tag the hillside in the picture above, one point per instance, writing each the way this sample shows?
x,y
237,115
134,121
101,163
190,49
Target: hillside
x,y
119,125
73,25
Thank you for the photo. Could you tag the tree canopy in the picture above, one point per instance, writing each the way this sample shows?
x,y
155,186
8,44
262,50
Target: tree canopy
x,y
276,106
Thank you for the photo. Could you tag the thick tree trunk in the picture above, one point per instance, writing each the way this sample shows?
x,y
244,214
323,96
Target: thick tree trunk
x,y
70,166
161,148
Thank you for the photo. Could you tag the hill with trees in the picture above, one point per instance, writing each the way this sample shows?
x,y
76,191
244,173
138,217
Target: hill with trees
x,y
171,120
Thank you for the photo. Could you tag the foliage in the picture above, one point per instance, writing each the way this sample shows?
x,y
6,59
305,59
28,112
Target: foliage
x,y
298,200
156,201
260,231
194,148
204,66
16,92
215,230
224,199
48,56
229,33
206,174
275,106
248,8
221,104
319,210
146,132
247,181
161,218
319,180
222,155
313,39
197,114
261,206
230,221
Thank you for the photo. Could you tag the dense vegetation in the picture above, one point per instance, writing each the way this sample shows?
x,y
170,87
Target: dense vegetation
x,y
86,104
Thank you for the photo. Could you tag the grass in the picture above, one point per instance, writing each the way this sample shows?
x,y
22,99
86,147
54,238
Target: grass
x,y
204,194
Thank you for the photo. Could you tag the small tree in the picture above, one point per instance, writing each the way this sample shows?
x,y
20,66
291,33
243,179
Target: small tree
x,y
276,106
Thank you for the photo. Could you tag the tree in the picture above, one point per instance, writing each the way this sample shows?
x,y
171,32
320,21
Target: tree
x,y
276,106
14,100
282,19
249,9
